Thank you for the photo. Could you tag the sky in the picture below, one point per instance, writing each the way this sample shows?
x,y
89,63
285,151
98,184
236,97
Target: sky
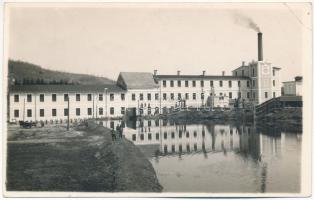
x,y
105,39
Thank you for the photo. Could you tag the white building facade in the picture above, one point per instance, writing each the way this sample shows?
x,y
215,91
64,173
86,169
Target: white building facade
x,y
144,93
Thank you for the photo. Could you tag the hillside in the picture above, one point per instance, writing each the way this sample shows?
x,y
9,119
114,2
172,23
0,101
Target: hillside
x,y
27,73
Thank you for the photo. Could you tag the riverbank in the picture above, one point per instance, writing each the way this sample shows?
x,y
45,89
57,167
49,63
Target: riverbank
x,y
237,115
283,119
82,159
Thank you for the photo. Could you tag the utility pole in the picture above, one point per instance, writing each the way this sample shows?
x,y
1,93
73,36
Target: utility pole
x,y
106,90
68,125
35,107
24,110
93,107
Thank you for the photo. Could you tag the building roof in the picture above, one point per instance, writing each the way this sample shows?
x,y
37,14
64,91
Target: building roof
x,y
65,88
137,80
199,77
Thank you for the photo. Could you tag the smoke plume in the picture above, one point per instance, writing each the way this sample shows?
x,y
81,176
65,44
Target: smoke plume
x,y
245,21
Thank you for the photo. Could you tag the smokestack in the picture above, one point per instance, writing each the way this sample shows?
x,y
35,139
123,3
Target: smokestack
x,y
204,72
155,72
178,72
223,73
260,46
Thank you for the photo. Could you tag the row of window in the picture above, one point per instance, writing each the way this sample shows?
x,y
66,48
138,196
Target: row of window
x,y
29,112
186,83
253,74
66,97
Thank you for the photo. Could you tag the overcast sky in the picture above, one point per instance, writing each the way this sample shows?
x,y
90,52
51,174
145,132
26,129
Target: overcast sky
x,y
105,39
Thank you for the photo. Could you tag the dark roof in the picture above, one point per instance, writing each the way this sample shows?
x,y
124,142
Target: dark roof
x,y
199,77
138,80
65,88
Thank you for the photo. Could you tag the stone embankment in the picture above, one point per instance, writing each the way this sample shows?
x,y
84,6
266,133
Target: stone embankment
x,y
82,159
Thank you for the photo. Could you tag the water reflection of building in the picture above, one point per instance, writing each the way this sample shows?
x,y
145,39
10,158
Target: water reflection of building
x,y
167,137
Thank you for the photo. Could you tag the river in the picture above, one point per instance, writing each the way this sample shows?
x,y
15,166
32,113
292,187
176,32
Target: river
x,y
217,157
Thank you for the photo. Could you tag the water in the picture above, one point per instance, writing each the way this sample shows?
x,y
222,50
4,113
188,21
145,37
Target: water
x,y
213,157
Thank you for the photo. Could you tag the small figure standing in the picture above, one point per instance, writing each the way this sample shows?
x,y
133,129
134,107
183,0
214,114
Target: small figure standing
x,y
113,135
121,131
118,129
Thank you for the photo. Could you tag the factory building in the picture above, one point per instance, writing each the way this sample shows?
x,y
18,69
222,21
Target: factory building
x,y
293,88
147,94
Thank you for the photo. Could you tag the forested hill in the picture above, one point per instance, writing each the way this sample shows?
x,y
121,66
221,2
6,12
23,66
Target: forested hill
x,y
28,73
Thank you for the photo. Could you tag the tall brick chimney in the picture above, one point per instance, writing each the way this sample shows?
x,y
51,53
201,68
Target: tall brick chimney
x,y
260,46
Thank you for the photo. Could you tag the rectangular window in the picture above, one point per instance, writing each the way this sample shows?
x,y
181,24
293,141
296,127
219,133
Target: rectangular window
x,y
141,97
230,95
29,98
101,111
89,111
179,96
253,72
248,95
89,97
274,72
16,113
164,96
122,97
54,112
41,97
111,110
220,94
194,83
253,95
156,96
149,97
54,97
202,96
211,83
157,136
239,95
172,96
29,112
16,98
122,110
186,83
202,83
41,112
274,94
247,83
100,97
171,83
220,83
186,96
164,83
242,72
133,97
230,84
66,112
239,83
274,83
194,96
66,97
253,83
179,83
78,111
111,97
78,97
266,95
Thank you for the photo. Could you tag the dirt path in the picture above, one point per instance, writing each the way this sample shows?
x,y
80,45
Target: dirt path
x,y
82,159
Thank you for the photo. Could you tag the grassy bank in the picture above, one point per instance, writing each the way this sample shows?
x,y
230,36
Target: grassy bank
x,y
285,119
237,115
82,159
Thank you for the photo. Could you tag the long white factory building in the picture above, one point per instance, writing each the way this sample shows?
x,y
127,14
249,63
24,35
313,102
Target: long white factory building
x,y
146,93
